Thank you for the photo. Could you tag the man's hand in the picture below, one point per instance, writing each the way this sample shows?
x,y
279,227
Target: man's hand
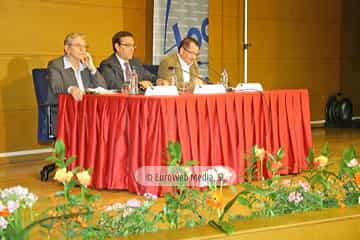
x,y
198,81
145,84
76,93
88,61
162,82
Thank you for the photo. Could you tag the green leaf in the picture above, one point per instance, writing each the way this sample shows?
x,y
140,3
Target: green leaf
x,y
268,164
226,227
325,150
233,188
243,201
70,160
60,148
190,163
310,157
229,205
280,153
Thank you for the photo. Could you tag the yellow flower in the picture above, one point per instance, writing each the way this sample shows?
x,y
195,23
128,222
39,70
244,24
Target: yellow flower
x,y
84,178
216,200
63,176
260,153
321,161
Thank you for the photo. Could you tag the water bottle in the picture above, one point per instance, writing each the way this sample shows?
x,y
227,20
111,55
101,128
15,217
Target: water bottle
x,y
225,78
134,83
173,78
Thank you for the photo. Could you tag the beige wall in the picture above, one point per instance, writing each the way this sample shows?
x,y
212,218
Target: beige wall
x,y
33,33
295,44
350,53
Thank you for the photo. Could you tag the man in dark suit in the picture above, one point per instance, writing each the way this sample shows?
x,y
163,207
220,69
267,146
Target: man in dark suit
x,y
116,67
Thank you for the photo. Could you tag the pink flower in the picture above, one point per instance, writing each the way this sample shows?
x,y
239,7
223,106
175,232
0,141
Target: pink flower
x,y
295,197
304,185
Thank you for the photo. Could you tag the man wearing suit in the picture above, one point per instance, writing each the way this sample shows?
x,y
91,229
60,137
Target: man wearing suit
x,y
117,68
74,72
183,63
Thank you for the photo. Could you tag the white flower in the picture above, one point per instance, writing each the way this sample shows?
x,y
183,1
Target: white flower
x,y
30,200
12,205
127,211
134,203
353,163
2,206
115,206
3,223
150,196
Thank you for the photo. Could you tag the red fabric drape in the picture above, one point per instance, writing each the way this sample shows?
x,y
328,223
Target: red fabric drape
x,y
114,134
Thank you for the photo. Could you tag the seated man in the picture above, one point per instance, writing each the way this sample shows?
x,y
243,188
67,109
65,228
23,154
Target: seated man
x,y
116,68
72,73
75,71
183,63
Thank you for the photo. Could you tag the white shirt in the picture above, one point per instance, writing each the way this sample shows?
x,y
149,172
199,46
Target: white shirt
x,y
185,69
122,63
67,65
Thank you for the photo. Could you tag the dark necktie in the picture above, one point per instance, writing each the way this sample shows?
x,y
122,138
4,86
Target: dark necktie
x,y
127,72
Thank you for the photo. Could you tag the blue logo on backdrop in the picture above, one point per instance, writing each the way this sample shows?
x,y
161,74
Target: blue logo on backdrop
x,y
198,34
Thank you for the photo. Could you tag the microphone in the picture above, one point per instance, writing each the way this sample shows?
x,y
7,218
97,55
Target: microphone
x,y
210,69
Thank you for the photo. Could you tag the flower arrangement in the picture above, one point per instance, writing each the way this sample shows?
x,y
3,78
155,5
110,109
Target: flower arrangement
x,y
76,215
15,206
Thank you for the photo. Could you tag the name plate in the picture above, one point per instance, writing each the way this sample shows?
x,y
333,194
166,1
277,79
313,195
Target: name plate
x,y
249,87
162,91
209,89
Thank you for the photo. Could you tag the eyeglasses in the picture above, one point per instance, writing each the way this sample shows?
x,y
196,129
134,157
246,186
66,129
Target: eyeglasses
x,y
80,46
128,45
191,52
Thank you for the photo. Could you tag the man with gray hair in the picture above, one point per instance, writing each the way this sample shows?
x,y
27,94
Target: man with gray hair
x,y
74,72
71,73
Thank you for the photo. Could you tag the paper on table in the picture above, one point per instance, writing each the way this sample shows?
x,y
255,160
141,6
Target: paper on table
x,y
101,90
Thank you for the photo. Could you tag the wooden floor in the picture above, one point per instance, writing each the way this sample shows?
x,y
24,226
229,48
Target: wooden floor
x,y
25,170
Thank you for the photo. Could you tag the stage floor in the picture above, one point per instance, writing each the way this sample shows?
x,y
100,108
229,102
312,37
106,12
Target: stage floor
x,y
25,171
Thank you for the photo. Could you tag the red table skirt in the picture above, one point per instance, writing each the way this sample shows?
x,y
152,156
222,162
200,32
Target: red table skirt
x,y
115,134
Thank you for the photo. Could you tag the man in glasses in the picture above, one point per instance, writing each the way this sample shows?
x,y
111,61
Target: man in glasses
x,y
183,63
117,68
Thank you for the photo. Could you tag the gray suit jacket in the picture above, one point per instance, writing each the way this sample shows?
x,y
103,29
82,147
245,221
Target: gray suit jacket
x,y
111,69
60,79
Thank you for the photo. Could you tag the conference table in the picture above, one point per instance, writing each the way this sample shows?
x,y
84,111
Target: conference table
x,y
116,134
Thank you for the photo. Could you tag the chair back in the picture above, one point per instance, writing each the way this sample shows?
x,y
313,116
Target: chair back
x,y
41,87
152,68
